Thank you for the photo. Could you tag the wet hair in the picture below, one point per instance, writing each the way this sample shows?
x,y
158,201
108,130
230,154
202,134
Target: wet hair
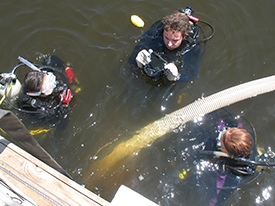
x,y
237,142
177,22
33,81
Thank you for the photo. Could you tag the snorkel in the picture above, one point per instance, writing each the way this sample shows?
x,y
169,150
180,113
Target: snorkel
x,y
29,64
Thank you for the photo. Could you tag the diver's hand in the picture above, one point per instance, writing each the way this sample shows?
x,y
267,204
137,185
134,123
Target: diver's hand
x,y
173,73
143,58
66,96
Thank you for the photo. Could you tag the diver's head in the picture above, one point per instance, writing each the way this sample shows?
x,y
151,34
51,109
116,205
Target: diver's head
x,y
236,141
176,27
39,83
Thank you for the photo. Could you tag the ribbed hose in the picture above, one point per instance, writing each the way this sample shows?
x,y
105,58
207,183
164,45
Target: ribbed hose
x,y
207,105
153,131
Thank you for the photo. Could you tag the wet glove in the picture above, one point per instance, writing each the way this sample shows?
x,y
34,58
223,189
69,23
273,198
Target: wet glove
x,y
143,58
173,74
66,96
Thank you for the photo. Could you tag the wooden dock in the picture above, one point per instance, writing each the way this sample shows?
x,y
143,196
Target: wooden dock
x,y
41,183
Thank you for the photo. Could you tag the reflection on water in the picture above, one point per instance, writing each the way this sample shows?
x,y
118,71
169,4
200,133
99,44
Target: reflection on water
x,y
115,101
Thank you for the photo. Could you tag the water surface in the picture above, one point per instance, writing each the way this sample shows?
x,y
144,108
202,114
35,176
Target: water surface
x,y
97,37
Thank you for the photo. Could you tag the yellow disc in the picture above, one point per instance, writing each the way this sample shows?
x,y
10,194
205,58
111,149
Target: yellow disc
x,y
137,21
181,176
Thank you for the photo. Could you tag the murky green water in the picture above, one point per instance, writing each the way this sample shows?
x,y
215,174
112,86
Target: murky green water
x,y
97,37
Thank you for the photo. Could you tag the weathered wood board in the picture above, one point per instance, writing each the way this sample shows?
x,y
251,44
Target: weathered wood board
x,y
44,185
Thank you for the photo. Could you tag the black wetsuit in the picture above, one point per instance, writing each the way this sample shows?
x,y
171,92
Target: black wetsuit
x,y
186,57
221,172
181,175
49,107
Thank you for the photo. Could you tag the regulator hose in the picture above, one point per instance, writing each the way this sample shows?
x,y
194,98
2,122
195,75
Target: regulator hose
x,y
241,159
213,31
168,123
189,12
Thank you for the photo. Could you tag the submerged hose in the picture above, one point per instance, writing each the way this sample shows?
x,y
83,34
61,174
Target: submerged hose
x,y
157,129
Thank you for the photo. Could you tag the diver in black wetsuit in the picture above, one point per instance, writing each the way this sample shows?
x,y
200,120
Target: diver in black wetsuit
x,y
212,164
169,48
46,93
222,174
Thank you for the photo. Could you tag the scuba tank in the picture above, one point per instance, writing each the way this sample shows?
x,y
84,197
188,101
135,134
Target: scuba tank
x,y
10,84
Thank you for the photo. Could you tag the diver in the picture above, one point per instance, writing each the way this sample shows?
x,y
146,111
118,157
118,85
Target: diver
x,y
212,157
45,92
233,142
170,48
232,152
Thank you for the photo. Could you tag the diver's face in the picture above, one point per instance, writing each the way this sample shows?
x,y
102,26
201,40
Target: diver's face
x,y
172,39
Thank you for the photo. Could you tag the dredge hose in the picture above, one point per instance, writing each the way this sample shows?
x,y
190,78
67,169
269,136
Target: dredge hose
x,y
169,122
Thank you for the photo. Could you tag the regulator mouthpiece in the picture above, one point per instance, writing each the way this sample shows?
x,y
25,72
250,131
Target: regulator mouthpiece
x,y
188,11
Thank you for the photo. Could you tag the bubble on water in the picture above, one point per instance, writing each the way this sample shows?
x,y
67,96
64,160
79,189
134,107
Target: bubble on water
x,y
162,108
266,193
140,177
94,157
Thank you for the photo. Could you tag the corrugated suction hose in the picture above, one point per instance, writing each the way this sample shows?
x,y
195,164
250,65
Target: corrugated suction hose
x,y
153,131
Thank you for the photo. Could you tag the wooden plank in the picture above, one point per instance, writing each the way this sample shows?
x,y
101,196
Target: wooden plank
x,y
41,183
